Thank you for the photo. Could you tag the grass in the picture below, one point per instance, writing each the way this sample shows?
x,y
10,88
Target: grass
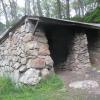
x,y
46,90
50,89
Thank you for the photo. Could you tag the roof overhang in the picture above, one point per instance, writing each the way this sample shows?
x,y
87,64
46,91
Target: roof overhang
x,y
48,21
61,22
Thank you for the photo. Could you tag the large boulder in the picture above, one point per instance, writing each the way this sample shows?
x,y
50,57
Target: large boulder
x,y
30,77
37,63
44,49
31,45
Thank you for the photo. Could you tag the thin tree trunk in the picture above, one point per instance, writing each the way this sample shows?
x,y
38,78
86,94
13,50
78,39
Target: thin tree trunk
x,y
47,12
39,8
5,13
98,3
76,11
11,9
34,8
27,7
79,12
47,9
13,6
59,9
67,9
81,6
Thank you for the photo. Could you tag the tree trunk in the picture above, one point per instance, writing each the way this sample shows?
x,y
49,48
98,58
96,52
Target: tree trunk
x,y
98,3
59,9
13,6
67,9
81,6
5,13
27,7
39,8
34,8
47,8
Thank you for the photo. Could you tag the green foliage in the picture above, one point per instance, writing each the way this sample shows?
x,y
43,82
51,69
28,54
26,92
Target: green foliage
x,y
97,19
52,83
93,16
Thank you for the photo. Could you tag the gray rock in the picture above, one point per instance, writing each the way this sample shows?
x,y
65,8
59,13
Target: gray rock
x,y
10,63
22,55
49,61
6,69
42,40
44,49
31,45
40,34
32,53
85,84
23,61
18,52
37,63
5,62
10,34
45,73
16,65
5,52
15,58
14,52
22,29
30,77
23,68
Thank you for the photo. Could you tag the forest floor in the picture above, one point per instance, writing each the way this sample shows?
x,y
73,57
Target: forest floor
x,y
87,93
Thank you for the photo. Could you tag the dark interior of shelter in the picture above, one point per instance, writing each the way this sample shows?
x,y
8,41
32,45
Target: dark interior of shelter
x,y
93,37
60,42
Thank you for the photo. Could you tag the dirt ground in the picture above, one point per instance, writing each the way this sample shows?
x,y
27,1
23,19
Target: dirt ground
x,y
72,76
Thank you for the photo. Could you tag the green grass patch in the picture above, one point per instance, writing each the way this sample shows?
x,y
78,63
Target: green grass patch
x,y
50,89
45,90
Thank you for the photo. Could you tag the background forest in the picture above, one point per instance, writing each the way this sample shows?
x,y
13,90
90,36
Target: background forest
x,y
82,10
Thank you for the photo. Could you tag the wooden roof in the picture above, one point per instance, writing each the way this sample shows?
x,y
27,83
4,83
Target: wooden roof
x,y
61,22
48,21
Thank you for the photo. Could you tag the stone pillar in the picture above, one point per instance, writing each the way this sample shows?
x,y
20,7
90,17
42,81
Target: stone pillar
x,y
78,58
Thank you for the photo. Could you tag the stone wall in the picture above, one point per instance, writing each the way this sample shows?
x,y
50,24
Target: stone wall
x,y
78,58
25,57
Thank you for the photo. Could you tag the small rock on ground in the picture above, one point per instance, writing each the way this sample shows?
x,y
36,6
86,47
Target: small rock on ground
x,y
84,84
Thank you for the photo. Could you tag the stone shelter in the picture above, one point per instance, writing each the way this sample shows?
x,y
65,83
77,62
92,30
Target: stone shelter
x,y
32,48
